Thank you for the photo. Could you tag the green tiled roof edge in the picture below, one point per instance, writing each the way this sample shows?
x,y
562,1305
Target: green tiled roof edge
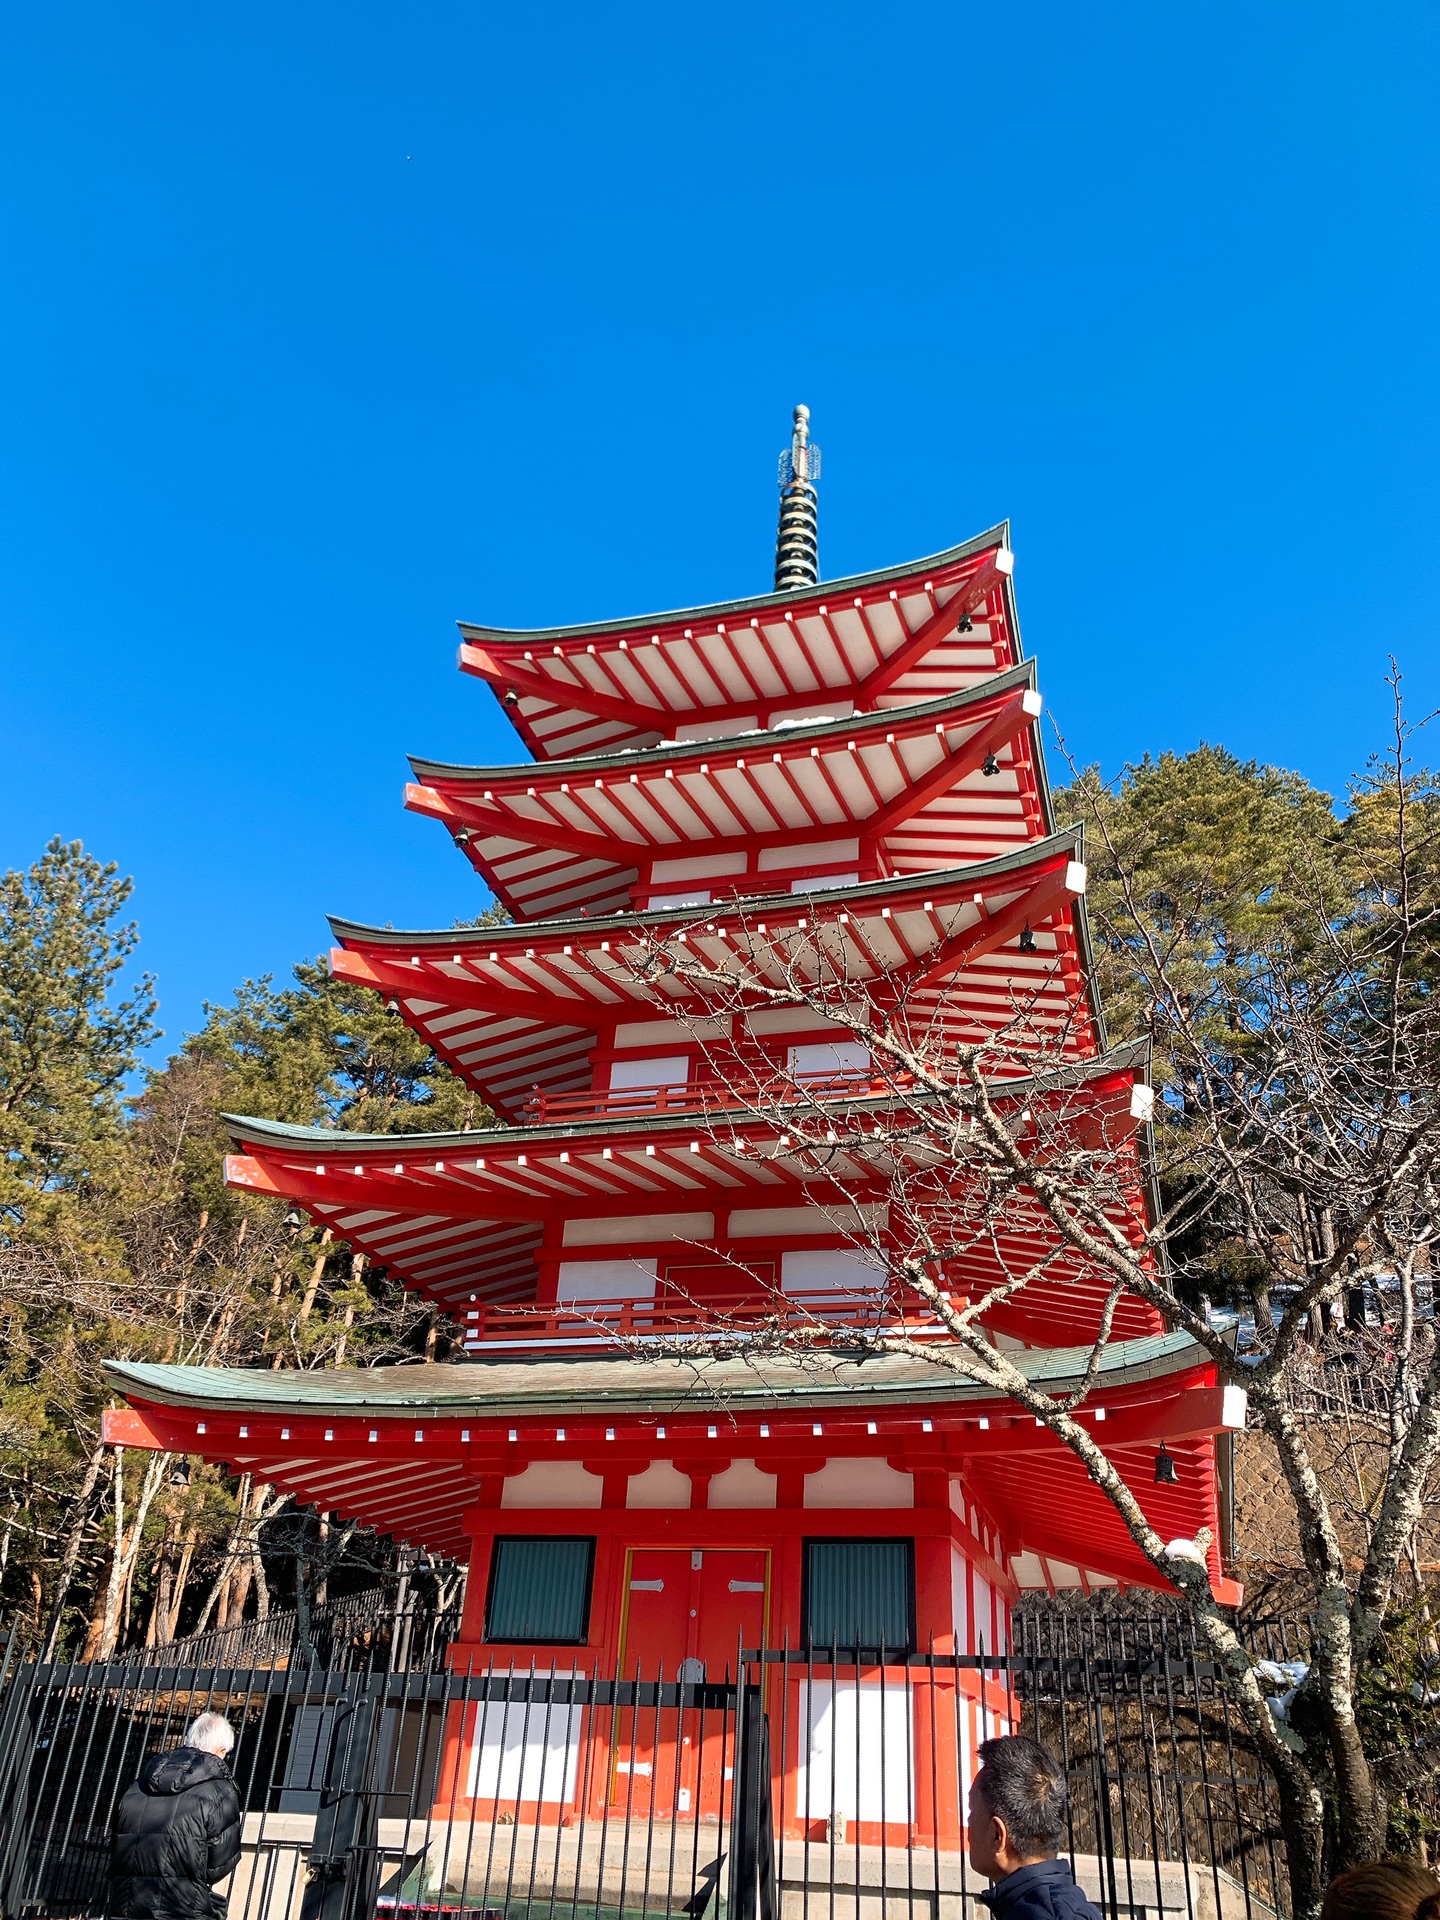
x,y
1020,675
496,1388
1133,1054
981,542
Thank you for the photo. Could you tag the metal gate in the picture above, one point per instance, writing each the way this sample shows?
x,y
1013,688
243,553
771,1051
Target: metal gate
x,y
835,1782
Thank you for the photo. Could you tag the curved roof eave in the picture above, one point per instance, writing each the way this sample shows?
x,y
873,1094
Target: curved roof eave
x,y
1133,1056
523,933
996,536
620,1383
1021,675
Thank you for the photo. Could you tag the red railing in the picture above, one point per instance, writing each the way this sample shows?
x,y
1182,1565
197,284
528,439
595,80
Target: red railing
x,y
610,1322
745,1090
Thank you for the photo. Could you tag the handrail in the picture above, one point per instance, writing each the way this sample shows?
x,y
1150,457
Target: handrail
x,y
739,1313
711,1095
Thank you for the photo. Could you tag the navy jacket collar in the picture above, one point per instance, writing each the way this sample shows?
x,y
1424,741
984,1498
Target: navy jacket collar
x,y
1017,1887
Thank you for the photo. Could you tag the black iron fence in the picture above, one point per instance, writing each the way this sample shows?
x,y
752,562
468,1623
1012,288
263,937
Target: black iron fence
x,y
785,1786
365,1629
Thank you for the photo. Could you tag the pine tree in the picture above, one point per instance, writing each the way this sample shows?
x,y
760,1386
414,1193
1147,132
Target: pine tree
x,y
69,1039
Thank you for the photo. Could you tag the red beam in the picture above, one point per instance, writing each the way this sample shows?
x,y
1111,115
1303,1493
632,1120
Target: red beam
x,y
790,1441
1196,1413
1012,719
525,678
477,996
1063,884
1057,885
254,1173
972,593
129,1427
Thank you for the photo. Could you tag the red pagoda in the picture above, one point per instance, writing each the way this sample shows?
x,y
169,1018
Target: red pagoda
x,y
860,756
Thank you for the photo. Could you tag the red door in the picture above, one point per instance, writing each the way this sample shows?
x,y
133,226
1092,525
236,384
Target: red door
x,y
687,1613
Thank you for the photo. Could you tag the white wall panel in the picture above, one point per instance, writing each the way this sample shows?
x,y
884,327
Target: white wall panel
x,y
857,1741
580,1280
830,1270
525,1750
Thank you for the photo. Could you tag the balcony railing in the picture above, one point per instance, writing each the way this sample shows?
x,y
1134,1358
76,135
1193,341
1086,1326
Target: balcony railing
x,y
746,1090
741,1315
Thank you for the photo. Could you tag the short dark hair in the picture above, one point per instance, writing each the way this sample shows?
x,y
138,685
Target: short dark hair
x,y
1385,1890
1023,1785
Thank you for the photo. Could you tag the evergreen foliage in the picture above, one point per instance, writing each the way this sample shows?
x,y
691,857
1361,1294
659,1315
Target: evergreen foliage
x,y
119,1239
67,1043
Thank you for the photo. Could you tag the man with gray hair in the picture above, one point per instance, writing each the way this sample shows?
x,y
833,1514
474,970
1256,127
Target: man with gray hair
x,y
1017,1827
177,1830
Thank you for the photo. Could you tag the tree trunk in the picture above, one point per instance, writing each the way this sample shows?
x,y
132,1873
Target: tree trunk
x,y
277,1285
128,1541
317,1274
343,1341
322,1562
302,1603
74,1540
178,1297
159,1605
219,1592
95,1626
241,1567
170,1621
1302,1827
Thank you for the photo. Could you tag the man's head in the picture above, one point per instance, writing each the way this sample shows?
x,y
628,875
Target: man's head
x,y
211,1733
1017,1806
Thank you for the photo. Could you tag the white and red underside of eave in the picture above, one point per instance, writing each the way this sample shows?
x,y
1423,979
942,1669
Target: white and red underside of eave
x,y
475,1220
880,640
520,1012
921,788
439,1479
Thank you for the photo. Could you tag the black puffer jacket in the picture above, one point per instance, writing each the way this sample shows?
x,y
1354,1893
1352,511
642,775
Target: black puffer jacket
x,y
1045,1890
177,1831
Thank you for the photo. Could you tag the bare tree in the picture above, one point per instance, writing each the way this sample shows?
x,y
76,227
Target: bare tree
x,y
1294,1150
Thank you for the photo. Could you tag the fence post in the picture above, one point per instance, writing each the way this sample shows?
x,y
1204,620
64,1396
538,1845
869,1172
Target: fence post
x,y
753,1892
1105,1832
344,1858
17,1751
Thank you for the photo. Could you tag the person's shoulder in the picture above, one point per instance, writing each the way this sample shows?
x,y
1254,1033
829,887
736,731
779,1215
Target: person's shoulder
x,y
1044,1890
1075,1904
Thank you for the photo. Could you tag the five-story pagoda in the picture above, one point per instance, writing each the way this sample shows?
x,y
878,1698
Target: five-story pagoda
x,y
630,1458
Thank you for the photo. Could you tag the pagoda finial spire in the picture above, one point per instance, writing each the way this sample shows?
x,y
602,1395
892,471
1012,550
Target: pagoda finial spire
x,y
797,549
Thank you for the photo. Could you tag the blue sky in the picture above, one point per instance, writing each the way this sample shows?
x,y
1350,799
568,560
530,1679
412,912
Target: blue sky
x,y
325,326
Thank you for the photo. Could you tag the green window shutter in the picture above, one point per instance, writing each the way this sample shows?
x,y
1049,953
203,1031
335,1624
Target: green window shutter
x,y
539,1590
860,1594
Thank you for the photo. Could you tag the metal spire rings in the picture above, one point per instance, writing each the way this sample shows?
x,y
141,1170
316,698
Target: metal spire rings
x,y
797,549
